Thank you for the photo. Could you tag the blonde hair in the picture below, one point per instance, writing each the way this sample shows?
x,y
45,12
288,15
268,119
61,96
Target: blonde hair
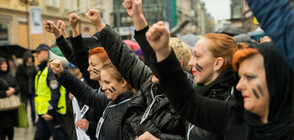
x,y
108,66
182,51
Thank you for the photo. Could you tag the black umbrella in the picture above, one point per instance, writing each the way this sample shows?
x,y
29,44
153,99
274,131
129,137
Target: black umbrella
x,y
91,43
9,50
231,31
190,39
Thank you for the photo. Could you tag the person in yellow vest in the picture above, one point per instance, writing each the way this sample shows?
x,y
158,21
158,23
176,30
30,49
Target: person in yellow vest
x,y
50,102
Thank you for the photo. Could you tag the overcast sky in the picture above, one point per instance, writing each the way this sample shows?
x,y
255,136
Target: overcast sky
x,y
219,9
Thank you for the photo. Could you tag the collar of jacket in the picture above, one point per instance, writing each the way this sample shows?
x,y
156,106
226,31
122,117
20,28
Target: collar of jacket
x,y
43,65
226,79
122,97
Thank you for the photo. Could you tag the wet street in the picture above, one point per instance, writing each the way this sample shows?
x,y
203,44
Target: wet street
x,y
25,133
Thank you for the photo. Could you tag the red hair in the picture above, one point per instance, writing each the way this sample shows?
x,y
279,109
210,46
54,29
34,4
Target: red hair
x,y
241,55
222,46
100,53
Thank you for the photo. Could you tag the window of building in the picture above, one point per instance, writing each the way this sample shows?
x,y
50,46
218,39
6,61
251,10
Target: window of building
x,y
84,6
70,5
53,3
4,33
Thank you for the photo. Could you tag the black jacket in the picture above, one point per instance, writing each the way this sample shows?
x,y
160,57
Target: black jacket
x,y
114,117
9,117
227,119
25,76
163,122
222,88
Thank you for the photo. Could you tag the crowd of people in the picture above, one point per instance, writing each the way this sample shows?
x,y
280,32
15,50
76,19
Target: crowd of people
x,y
225,88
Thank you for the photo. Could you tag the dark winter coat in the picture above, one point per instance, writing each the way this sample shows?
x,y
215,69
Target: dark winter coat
x,y
226,119
8,118
222,88
113,116
25,76
162,121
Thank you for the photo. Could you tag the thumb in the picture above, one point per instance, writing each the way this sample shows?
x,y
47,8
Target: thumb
x,y
88,16
58,24
138,2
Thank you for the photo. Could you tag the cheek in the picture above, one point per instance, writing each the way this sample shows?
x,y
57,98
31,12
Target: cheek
x,y
249,104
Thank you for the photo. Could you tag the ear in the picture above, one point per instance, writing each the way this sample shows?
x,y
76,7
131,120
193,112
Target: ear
x,y
124,83
181,63
219,62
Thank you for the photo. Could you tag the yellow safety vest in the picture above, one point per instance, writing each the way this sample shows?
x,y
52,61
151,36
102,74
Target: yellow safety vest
x,y
43,93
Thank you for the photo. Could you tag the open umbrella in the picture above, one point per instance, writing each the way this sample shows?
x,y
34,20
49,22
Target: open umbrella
x,y
231,31
13,49
256,34
132,44
190,39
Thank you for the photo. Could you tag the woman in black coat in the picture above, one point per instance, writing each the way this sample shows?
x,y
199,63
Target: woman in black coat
x,y
8,87
25,76
265,83
113,103
159,119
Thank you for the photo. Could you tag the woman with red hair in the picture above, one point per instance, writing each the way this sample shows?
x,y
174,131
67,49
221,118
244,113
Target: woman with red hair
x,y
265,83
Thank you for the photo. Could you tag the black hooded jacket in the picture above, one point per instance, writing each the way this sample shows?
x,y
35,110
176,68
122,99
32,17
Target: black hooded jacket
x,y
25,76
9,117
9,81
230,120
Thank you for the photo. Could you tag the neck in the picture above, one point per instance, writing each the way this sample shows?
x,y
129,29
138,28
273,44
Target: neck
x,y
29,63
264,118
80,76
214,76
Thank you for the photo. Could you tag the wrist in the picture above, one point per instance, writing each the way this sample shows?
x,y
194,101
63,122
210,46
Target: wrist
x,y
75,32
57,35
139,22
162,54
100,27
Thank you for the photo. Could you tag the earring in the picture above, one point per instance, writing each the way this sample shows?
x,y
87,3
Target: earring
x,y
214,69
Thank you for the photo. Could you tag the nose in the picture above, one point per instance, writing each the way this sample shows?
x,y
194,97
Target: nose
x,y
89,68
240,86
192,62
104,88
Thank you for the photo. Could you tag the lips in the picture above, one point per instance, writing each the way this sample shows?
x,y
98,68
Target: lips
x,y
245,97
194,72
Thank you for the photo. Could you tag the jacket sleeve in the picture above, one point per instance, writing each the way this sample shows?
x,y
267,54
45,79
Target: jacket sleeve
x,y
19,76
194,108
3,88
164,136
3,93
66,49
130,67
145,46
92,128
14,85
55,92
276,18
81,55
83,92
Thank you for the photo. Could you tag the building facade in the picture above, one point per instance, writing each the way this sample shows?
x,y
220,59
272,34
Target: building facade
x,y
14,19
